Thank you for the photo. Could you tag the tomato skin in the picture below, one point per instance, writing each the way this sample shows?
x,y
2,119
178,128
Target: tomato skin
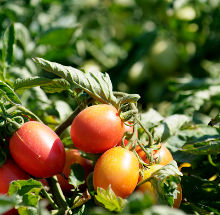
x,y
97,128
73,156
147,186
37,149
119,168
8,173
163,154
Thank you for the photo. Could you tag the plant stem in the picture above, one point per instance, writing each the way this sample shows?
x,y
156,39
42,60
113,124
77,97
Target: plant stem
x,y
45,193
25,110
57,192
142,182
150,138
59,130
211,161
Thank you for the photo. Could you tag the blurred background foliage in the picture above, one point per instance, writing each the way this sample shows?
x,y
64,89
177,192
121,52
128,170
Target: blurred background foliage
x,y
159,49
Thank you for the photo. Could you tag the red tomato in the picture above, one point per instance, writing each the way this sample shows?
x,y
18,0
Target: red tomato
x,y
119,168
163,154
8,173
37,149
147,186
97,128
73,156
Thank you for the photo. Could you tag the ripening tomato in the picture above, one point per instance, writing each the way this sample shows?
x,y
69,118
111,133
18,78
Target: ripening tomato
x,y
97,128
37,149
147,186
163,155
119,168
73,156
8,173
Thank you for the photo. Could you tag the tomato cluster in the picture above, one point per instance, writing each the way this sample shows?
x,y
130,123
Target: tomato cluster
x,y
37,151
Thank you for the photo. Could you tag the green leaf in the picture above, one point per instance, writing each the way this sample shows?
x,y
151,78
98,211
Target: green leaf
x,y
8,43
151,118
215,121
77,175
165,181
170,126
109,200
210,145
96,84
48,85
22,35
6,203
57,36
26,192
9,93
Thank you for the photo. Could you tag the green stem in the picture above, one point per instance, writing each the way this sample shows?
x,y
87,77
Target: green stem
x,y
59,130
26,111
211,161
57,193
142,182
150,138
46,194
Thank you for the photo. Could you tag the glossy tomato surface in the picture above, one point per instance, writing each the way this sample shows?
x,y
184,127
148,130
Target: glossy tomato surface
x,y
37,149
162,155
97,128
9,172
119,168
73,156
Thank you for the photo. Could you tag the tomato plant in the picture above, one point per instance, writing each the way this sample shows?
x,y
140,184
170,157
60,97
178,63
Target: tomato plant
x,y
37,150
97,128
162,155
73,156
119,168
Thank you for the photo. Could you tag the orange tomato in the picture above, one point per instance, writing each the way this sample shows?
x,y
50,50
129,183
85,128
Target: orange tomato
x,y
119,168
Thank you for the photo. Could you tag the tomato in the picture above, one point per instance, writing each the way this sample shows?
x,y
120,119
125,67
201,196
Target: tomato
x,y
162,154
73,156
8,173
37,149
119,168
97,128
147,186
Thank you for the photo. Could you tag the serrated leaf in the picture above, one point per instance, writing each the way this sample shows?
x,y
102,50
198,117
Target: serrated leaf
x,y
109,200
129,98
9,93
209,146
98,85
6,203
48,85
151,118
170,126
26,192
57,36
165,181
8,43
77,175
